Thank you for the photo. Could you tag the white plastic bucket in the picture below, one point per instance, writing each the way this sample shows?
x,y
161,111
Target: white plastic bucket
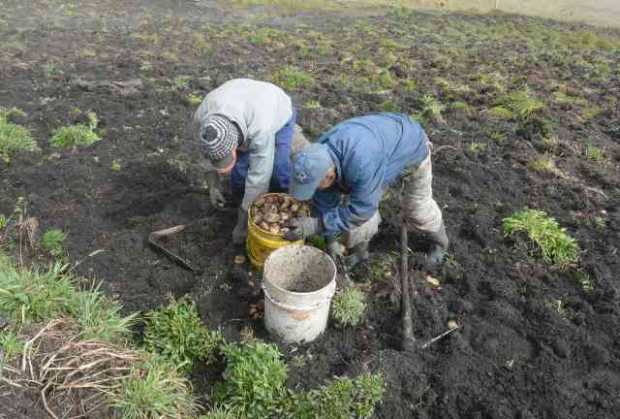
x,y
299,283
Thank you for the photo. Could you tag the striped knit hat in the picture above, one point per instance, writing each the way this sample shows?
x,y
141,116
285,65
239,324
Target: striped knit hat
x,y
220,136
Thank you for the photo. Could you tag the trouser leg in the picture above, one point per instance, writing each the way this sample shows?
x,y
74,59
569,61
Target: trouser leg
x,y
421,212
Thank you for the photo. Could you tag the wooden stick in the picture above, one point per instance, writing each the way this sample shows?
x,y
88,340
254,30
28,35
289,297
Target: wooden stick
x,y
408,338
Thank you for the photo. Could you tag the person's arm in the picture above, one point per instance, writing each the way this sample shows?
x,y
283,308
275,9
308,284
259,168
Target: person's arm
x,y
363,203
262,154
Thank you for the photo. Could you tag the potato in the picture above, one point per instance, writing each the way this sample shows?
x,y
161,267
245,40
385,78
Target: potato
x,y
264,225
274,229
284,216
295,207
272,217
257,217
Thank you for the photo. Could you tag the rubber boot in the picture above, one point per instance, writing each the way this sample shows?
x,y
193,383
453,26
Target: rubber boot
x,y
358,253
439,246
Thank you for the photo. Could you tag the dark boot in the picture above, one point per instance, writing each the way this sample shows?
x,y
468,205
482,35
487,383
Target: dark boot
x,y
439,246
358,253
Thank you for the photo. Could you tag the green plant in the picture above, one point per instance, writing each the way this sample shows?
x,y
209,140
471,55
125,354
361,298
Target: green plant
x,y
32,295
312,104
593,153
14,138
497,136
75,136
154,389
193,99
222,412
501,112
409,85
181,82
3,221
348,307
11,344
522,104
344,398
555,245
99,317
116,165
585,281
255,379
545,165
53,241
292,78
389,106
178,334
432,108
477,148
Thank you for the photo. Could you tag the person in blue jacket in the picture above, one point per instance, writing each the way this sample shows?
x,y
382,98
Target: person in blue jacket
x,y
348,169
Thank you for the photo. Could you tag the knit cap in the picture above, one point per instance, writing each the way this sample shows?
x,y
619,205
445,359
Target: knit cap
x,y
220,136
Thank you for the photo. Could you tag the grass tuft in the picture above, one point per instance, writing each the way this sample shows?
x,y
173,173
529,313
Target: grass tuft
x,y
545,165
99,317
255,379
593,153
53,242
522,104
292,78
342,399
348,307
11,345
556,247
155,389
76,136
14,138
32,295
177,333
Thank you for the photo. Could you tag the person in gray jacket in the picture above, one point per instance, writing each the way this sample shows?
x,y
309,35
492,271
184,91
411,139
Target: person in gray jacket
x,y
246,131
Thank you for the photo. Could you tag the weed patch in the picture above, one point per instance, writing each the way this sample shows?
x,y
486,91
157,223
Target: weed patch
x,y
555,245
154,389
53,241
522,104
255,379
348,307
545,165
76,136
14,138
178,334
292,78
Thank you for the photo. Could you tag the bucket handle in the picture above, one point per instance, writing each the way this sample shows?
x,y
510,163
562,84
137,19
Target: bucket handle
x,y
289,307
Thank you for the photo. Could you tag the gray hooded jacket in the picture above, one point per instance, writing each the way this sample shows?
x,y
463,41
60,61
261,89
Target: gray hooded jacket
x,y
260,109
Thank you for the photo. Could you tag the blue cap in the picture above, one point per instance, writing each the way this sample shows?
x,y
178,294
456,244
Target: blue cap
x,y
309,168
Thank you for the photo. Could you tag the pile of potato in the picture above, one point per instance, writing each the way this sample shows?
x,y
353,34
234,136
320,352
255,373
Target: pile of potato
x,y
273,212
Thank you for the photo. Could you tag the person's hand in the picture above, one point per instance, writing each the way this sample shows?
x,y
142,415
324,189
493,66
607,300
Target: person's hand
x,y
240,232
335,248
215,193
303,227
216,197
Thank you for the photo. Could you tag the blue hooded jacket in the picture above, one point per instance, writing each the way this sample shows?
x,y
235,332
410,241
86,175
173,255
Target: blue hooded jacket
x,y
369,153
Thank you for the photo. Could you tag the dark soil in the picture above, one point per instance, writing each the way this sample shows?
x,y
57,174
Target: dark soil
x,y
533,343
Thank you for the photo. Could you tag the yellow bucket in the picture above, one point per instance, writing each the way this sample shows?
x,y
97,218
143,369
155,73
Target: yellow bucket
x,y
260,243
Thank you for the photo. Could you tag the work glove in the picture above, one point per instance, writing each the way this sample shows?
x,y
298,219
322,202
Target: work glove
x,y
215,193
303,227
240,232
335,248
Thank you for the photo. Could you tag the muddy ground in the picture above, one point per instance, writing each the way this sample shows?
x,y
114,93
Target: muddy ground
x,y
535,342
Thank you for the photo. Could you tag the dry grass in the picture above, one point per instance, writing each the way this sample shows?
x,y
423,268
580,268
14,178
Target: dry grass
x,y
71,375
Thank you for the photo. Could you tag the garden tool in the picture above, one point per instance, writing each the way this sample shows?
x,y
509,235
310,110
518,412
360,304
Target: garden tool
x,y
406,316
156,235
153,241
